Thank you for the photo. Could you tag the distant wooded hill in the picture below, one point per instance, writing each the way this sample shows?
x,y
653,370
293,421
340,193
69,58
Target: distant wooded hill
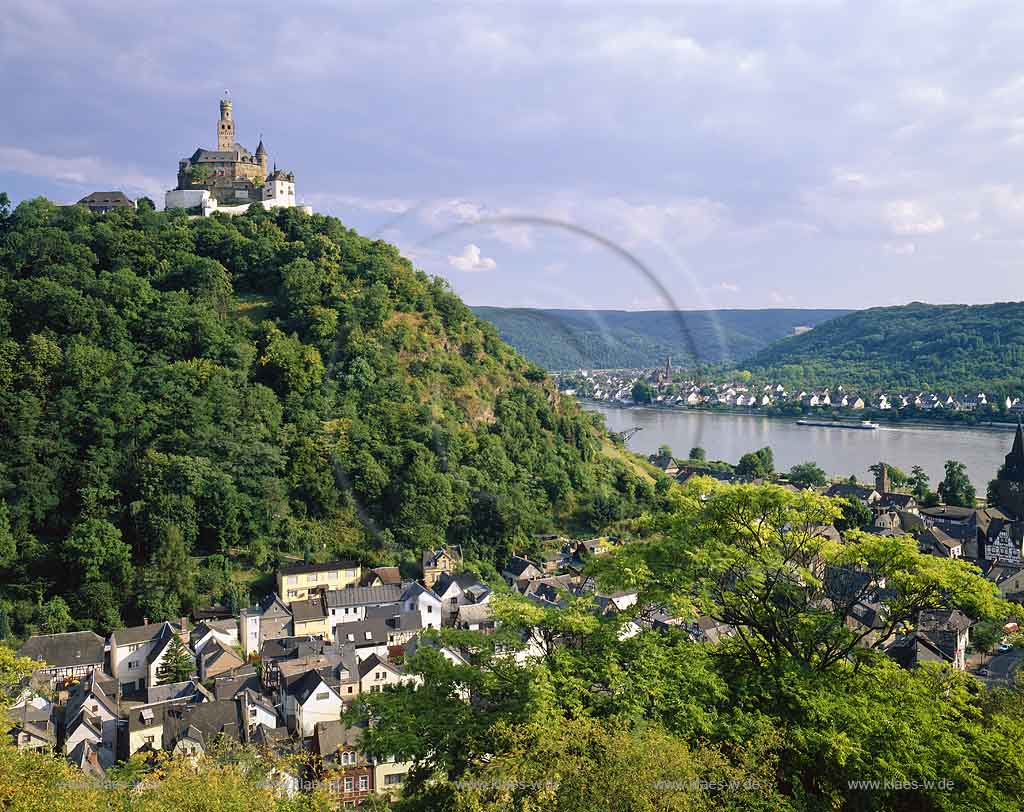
x,y
956,348
611,339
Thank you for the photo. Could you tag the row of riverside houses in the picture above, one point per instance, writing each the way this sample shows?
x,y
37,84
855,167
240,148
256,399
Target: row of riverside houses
x,y
557,576
279,675
990,537
617,387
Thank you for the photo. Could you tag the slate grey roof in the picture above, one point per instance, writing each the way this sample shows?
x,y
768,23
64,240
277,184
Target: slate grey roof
x,y
209,720
281,648
65,650
912,649
139,634
107,199
372,662
298,569
380,623
415,589
172,691
229,686
518,565
943,620
334,735
309,609
32,720
940,541
364,595
301,688
83,691
272,604
91,758
948,512
464,580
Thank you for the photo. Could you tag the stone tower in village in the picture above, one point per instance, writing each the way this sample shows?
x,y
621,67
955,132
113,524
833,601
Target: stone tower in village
x,y
225,127
1009,484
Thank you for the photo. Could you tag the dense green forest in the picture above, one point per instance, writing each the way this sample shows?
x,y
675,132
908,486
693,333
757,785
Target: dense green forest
x,y
944,348
184,400
619,339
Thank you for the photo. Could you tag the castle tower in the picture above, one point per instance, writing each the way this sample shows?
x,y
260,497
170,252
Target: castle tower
x,y
261,156
226,126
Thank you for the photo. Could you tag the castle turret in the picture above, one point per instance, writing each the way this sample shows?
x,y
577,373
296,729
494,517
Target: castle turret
x,y
226,126
261,157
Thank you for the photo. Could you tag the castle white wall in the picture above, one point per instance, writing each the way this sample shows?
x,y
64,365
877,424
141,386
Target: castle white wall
x,y
186,198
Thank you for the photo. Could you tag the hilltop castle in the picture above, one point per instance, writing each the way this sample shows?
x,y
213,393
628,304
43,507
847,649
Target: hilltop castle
x,y
230,178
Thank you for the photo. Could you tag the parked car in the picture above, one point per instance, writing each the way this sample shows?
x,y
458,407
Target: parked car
x,y
1005,647
982,672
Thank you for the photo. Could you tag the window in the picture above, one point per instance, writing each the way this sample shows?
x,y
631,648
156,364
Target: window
x,y
292,580
322,696
430,610
364,783
311,578
350,689
393,779
332,576
148,739
454,601
292,593
348,785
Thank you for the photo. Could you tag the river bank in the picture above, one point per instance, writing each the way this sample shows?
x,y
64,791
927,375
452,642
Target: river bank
x,y
850,417
727,435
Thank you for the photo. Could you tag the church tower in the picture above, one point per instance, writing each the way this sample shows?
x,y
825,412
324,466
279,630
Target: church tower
x,y
1009,484
226,126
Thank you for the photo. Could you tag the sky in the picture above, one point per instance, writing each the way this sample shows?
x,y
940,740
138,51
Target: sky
x,y
587,155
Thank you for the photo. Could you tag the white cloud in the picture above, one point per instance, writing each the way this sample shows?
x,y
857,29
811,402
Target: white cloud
x,y
84,172
908,217
899,249
446,212
471,260
729,287
385,205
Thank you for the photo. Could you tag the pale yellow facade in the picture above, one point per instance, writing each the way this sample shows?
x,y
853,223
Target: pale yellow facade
x,y
311,580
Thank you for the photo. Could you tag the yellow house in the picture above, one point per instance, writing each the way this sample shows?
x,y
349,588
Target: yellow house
x,y
309,617
297,582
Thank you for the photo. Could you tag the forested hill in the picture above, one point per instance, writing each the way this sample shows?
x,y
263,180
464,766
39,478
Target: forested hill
x,y
618,339
954,348
183,400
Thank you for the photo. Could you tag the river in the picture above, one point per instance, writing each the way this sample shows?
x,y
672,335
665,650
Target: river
x,y
840,452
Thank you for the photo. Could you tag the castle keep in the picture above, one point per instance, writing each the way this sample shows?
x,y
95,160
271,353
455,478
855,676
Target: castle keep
x,y
230,178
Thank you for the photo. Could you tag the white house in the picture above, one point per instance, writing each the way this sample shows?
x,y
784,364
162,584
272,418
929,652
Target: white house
x,y
131,649
350,605
376,674
312,700
417,598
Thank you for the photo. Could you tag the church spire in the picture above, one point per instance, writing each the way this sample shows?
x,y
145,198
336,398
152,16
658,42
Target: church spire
x,y
1017,452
